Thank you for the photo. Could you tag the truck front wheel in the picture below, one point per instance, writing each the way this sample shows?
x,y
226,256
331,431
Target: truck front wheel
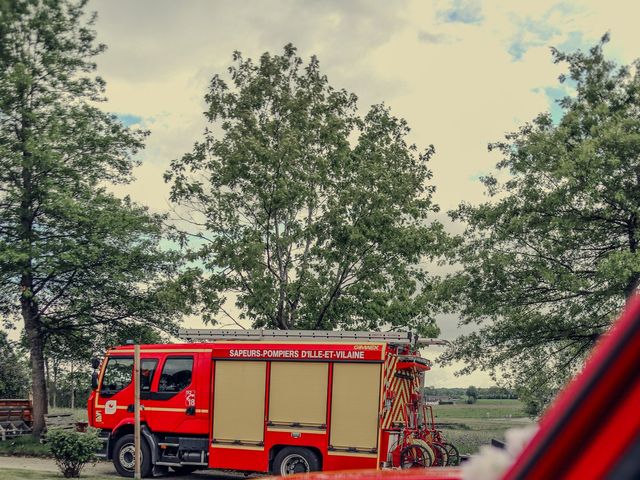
x,y
124,460
292,460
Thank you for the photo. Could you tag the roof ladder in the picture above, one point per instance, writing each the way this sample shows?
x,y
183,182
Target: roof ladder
x,y
209,334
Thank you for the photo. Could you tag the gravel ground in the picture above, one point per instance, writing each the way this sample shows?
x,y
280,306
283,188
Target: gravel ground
x,y
104,468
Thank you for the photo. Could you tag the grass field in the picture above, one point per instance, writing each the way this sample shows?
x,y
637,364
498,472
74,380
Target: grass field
x,y
475,425
16,474
24,446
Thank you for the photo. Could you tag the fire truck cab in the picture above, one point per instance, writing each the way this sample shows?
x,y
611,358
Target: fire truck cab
x,y
261,401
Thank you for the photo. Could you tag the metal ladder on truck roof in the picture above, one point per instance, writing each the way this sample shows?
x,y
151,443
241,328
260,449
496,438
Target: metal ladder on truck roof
x,y
208,334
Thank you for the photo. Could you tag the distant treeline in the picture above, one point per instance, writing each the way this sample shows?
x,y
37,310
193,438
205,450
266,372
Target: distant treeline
x,y
461,392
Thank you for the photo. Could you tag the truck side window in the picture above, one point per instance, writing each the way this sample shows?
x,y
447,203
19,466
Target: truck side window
x,y
117,375
147,370
176,374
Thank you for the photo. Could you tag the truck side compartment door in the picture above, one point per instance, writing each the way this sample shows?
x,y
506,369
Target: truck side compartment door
x,y
239,415
354,421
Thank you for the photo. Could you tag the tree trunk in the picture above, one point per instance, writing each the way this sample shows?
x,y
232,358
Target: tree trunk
x,y
36,351
30,312
73,389
54,385
47,369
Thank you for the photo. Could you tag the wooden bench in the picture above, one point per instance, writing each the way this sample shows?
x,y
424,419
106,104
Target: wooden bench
x,y
60,421
64,421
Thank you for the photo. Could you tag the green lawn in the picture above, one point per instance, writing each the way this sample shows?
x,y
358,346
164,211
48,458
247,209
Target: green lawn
x,y
16,474
475,425
24,446
481,409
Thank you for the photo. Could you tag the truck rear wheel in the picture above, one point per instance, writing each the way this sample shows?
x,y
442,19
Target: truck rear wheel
x,y
123,457
292,460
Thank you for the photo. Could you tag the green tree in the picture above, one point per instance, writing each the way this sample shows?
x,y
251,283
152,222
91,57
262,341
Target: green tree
x,y
472,394
80,345
305,214
14,373
72,256
550,260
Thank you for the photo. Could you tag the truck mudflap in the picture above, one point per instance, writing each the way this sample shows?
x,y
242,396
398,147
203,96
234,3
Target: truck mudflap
x,y
105,437
153,443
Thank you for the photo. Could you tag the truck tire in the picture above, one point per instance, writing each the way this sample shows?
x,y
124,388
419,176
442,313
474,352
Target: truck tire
x,y
123,457
292,460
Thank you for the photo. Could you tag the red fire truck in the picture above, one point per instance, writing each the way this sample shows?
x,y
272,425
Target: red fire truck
x,y
263,401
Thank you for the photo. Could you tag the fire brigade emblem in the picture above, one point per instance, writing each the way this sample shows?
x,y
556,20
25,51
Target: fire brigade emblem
x,y
110,407
190,398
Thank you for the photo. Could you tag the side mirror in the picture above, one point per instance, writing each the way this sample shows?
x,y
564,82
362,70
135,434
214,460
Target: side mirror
x,y
94,380
95,363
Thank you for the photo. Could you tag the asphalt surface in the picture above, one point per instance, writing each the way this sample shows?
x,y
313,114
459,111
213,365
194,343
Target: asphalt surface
x,y
106,469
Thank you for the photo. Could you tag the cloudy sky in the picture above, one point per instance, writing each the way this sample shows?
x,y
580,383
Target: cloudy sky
x,y
461,72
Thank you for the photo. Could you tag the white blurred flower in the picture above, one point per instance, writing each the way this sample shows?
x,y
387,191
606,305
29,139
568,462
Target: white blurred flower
x,y
518,438
492,462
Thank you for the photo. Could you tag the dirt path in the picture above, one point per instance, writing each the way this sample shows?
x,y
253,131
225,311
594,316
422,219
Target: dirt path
x,y
48,465
102,468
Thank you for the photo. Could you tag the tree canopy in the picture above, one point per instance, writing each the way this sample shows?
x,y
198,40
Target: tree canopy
x,y
549,260
72,255
304,214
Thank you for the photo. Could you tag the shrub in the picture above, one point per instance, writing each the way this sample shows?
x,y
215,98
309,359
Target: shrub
x,y
72,450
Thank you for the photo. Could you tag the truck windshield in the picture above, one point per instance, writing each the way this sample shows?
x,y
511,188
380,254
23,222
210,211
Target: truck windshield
x,y
117,375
